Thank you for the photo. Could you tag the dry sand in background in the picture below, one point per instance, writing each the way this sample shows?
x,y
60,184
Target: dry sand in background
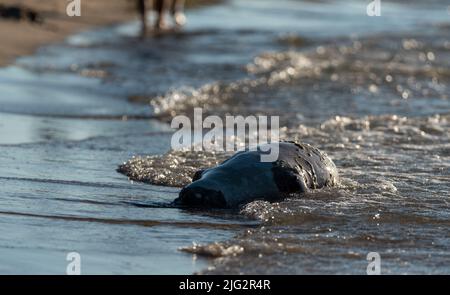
x,y
19,38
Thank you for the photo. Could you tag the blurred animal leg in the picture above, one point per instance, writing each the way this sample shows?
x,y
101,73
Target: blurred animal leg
x,y
160,7
143,15
177,10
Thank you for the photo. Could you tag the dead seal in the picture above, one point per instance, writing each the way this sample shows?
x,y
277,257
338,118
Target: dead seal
x,y
244,178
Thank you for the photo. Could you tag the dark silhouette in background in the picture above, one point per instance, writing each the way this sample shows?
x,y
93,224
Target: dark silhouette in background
x,y
19,13
175,7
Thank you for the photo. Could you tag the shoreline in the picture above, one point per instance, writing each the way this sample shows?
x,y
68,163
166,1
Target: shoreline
x,y
20,38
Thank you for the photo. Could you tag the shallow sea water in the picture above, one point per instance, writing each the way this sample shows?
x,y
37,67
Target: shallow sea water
x,y
370,92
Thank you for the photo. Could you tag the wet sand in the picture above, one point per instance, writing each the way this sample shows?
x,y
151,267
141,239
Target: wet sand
x,y
19,38
22,37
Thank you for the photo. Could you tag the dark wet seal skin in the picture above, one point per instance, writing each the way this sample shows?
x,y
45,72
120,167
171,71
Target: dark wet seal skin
x,y
244,178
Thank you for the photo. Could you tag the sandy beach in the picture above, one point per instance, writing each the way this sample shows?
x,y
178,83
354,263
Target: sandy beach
x,y
23,37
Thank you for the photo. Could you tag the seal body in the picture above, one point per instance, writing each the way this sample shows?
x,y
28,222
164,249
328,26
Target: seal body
x,y
244,177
